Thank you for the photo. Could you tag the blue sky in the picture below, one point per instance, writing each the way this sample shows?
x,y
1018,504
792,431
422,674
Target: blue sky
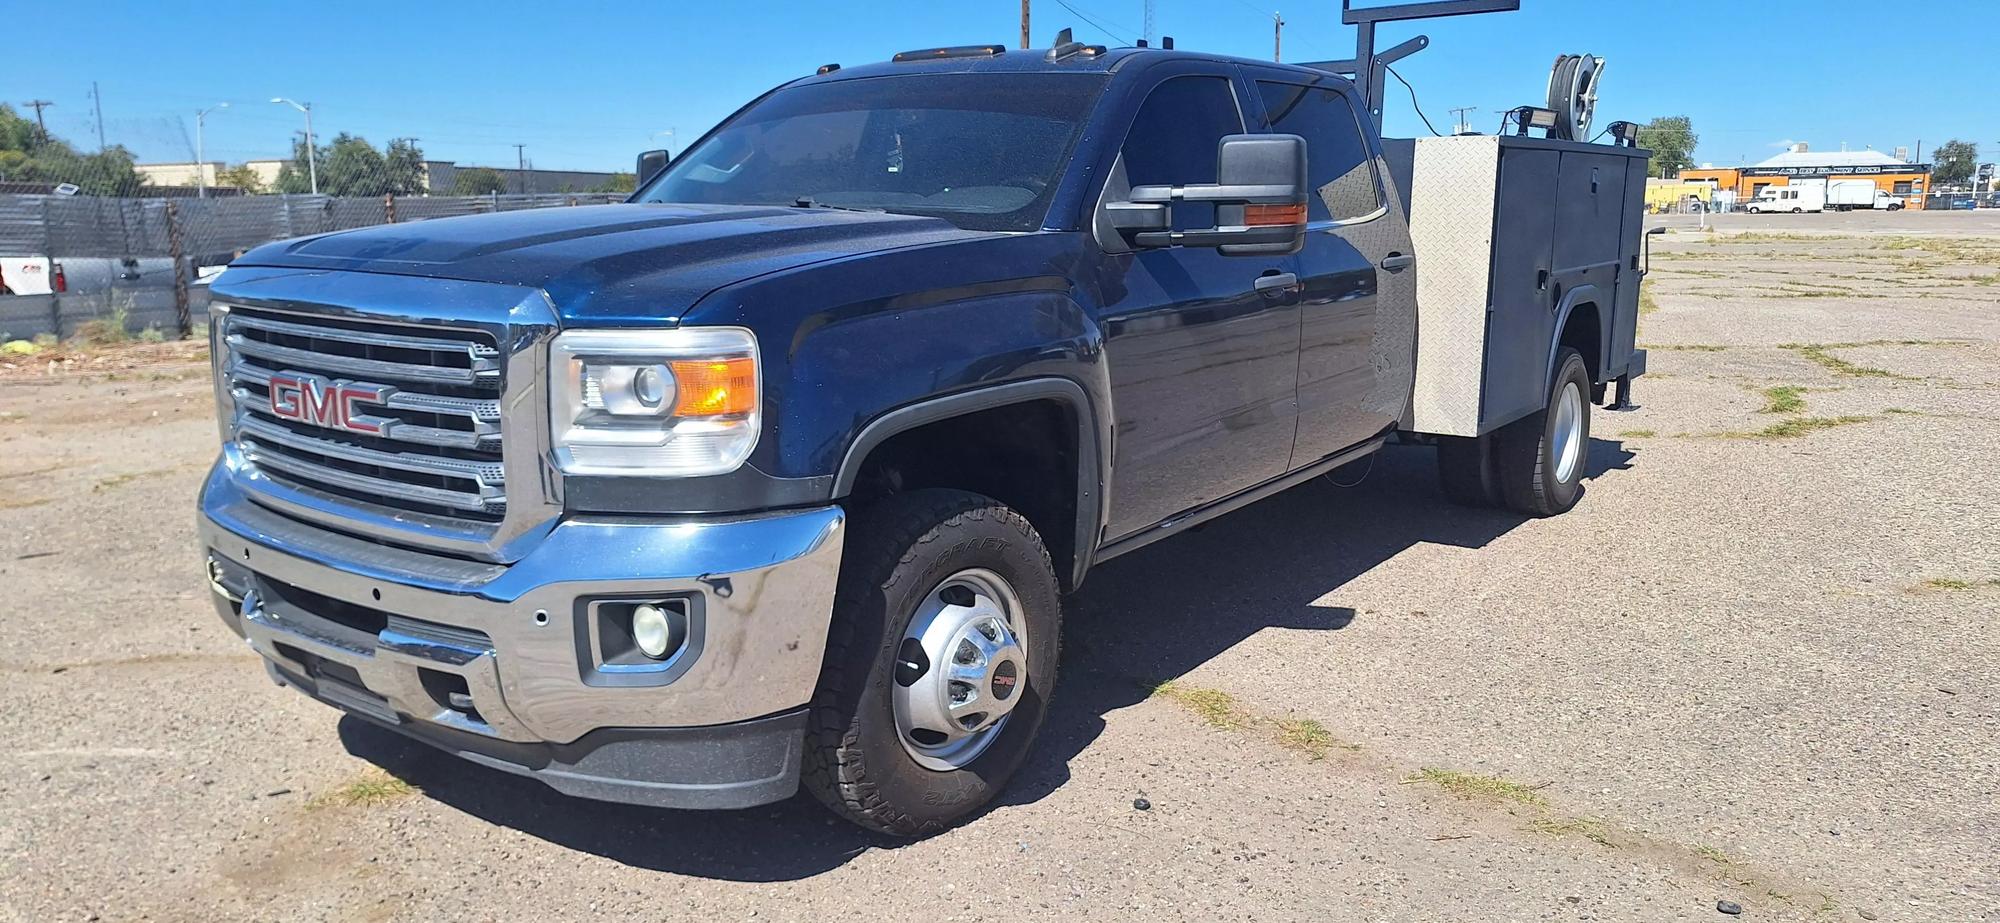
x,y
586,85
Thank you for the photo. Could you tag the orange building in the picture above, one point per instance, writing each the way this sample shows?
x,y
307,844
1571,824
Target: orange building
x,y
1907,181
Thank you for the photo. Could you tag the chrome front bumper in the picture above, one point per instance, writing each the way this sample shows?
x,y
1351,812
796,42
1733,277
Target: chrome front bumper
x,y
388,633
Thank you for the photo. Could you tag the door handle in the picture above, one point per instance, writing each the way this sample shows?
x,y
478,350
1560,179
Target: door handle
x,y
1275,283
1396,261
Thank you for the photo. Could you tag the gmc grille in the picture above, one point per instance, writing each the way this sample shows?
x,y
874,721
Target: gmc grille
x,y
430,444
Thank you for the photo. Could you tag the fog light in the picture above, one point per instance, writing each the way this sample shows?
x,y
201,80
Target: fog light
x,y
652,630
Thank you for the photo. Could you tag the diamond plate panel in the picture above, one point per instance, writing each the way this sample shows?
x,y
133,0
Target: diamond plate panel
x,y
1453,187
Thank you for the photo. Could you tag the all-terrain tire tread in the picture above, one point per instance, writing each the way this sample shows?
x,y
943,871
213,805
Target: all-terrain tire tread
x,y
884,541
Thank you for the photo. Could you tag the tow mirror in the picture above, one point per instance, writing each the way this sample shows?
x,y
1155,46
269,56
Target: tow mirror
x,y
1259,197
650,164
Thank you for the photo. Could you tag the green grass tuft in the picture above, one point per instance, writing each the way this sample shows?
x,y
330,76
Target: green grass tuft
x,y
1213,706
1647,303
1592,830
374,787
1799,426
1636,434
1472,785
1954,584
1309,737
1784,399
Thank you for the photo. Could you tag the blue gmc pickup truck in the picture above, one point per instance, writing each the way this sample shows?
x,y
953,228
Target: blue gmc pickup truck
x,y
776,475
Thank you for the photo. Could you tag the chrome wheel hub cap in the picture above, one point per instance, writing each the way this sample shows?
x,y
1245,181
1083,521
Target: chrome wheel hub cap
x,y
1567,441
960,669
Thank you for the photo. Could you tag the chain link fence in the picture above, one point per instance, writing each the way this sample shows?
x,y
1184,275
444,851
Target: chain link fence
x,y
108,266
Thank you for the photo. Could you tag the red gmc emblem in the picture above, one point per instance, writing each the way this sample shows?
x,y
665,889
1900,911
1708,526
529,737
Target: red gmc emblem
x,y
321,402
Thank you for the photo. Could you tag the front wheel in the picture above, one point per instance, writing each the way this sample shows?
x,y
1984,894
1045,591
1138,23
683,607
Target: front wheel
x,y
939,663
1542,456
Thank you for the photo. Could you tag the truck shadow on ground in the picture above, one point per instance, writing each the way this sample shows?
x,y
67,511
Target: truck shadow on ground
x,y
1150,616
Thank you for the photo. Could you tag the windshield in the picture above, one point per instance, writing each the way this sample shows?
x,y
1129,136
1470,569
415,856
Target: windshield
x,y
982,151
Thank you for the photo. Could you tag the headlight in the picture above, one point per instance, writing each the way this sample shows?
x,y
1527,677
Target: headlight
x,y
664,403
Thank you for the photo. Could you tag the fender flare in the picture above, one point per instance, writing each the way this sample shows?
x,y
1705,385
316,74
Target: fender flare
x,y
1583,293
1091,475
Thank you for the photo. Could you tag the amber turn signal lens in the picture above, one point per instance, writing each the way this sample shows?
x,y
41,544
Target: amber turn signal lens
x,y
715,387
1267,215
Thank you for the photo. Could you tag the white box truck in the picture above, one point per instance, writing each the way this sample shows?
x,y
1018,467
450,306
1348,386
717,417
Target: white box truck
x,y
1795,198
1850,194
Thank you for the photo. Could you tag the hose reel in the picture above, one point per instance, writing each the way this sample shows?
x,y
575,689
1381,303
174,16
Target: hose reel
x,y
1573,94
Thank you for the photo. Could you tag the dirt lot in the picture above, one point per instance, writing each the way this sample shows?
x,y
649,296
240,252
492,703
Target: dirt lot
x,y
1760,663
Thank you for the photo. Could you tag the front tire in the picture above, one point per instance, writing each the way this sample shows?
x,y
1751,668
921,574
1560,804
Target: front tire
x,y
1542,456
939,663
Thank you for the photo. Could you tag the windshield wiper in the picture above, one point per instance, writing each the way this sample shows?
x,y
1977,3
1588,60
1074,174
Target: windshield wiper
x,y
806,201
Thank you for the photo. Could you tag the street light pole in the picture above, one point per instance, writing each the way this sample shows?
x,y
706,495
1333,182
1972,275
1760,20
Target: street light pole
x,y
200,165
312,168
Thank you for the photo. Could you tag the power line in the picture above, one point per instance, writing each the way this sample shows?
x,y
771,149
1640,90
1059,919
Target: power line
x,y
1413,99
1095,22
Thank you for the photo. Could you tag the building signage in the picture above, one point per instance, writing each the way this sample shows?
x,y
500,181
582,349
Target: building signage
x,y
1873,169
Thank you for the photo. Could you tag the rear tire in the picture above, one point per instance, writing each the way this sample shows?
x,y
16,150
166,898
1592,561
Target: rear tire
x,y
1542,457
913,563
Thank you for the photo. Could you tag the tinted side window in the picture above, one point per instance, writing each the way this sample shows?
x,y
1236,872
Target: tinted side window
x,y
1175,137
1341,173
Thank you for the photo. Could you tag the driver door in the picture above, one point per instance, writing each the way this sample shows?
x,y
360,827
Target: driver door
x,y
1202,348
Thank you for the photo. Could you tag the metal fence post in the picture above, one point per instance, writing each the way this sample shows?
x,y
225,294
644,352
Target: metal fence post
x,y
175,249
49,250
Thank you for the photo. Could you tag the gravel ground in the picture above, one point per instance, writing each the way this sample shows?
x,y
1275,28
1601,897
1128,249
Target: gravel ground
x,y
1758,664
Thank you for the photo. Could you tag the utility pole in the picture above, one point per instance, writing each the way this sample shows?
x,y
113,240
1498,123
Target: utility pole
x,y
521,166
1462,125
39,105
1277,36
312,154
1024,25
97,100
1147,32
201,166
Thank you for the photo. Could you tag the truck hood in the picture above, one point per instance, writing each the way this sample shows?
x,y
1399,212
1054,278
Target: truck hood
x,y
611,264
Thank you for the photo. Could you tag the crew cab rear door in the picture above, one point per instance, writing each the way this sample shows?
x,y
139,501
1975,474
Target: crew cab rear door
x,y
1358,305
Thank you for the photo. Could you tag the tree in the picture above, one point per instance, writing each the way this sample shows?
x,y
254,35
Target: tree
x,y
29,157
619,182
1671,138
241,177
350,166
403,167
479,181
1953,162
